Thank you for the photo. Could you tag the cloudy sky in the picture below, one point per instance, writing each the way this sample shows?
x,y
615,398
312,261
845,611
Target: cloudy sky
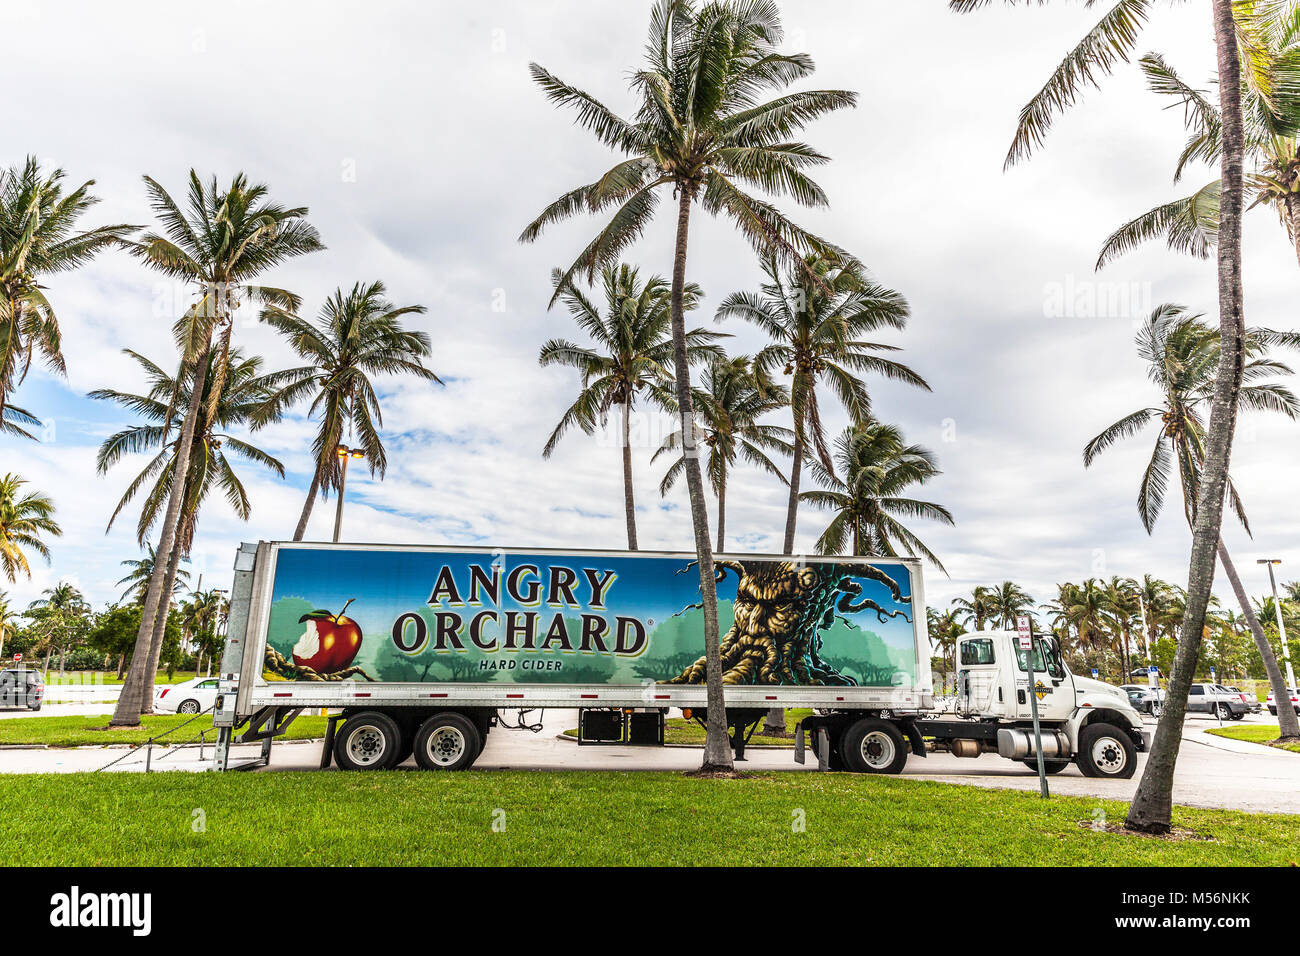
x,y
414,135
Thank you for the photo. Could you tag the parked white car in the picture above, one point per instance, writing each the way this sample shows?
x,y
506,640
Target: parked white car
x,y
188,697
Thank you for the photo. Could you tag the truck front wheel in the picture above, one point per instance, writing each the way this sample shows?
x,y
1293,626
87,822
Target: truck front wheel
x,y
1049,766
873,746
447,741
1106,751
368,741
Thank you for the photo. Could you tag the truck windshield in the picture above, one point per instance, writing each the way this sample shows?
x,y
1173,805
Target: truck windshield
x,y
1045,659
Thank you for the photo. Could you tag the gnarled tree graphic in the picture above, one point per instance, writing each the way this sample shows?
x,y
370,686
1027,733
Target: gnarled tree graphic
x,y
780,609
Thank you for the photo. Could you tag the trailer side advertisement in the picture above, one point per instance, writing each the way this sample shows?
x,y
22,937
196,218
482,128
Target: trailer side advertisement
x,y
440,616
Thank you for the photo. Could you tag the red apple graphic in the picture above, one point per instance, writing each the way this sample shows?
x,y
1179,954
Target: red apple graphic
x,y
329,643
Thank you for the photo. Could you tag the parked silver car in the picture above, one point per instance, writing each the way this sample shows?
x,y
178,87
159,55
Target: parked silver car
x,y
1218,700
1145,699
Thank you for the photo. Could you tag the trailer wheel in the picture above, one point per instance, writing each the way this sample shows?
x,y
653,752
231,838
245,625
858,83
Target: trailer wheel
x,y
1049,766
448,741
1106,751
368,741
873,746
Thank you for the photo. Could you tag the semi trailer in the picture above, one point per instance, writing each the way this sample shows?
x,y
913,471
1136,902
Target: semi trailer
x,y
424,651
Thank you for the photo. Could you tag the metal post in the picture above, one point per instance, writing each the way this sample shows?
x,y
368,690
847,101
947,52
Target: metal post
x,y
1281,628
338,507
1025,625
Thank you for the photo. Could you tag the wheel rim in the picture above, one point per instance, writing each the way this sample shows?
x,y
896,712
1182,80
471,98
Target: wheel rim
x,y
1109,755
1223,711
367,745
189,708
877,750
445,746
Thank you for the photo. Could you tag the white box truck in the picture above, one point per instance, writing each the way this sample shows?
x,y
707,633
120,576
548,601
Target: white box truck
x,y
425,650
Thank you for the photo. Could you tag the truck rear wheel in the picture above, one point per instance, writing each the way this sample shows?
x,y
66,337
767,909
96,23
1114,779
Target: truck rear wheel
x,y
1106,751
873,746
368,741
447,741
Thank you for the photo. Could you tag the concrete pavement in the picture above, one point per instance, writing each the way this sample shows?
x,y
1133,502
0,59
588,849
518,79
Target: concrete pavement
x,y
1211,772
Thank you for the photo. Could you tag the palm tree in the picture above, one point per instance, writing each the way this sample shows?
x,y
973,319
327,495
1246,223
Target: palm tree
x,y
357,335
1124,606
878,468
632,355
209,463
700,130
141,569
221,243
1112,41
198,619
245,392
7,617
58,616
945,629
1271,136
1008,601
1087,610
1153,597
39,237
730,404
816,316
976,609
1182,352
24,518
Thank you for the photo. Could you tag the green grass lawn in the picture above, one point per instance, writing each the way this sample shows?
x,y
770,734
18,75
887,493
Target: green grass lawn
x,y
1255,734
418,818
54,678
79,731
678,730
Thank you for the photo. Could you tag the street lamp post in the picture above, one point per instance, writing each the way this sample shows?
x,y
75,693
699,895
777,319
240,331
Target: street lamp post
x,y
344,453
1281,628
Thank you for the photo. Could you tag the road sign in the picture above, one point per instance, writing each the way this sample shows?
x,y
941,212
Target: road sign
x,y
1024,629
1094,673
17,658
1153,676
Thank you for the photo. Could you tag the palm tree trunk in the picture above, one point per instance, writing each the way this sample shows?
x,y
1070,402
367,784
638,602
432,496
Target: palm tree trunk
x,y
1286,715
1293,221
160,629
722,508
629,501
301,530
11,342
792,509
717,749
137,685
1152,804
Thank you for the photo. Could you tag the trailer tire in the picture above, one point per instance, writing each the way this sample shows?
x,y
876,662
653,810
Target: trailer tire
x,y
1049,766
447,741
1106,751
871,745
367,741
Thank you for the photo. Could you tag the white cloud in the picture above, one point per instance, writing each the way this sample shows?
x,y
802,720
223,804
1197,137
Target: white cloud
x,y
416,138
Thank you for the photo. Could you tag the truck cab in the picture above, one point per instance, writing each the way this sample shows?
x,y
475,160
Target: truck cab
x,y
1084,720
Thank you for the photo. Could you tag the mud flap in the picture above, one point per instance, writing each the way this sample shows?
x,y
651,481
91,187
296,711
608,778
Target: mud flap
x,y
913,736
823,749
798,743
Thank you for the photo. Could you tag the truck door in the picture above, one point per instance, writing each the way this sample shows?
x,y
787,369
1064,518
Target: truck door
x,y
1051,685
980,689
